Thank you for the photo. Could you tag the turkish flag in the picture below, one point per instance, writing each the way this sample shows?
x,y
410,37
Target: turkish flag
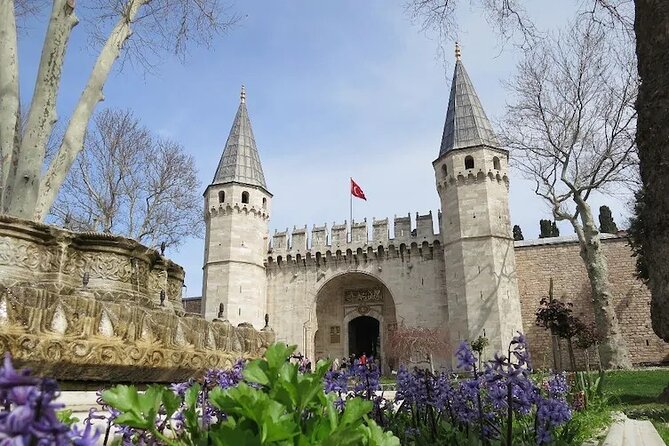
x,y
356,191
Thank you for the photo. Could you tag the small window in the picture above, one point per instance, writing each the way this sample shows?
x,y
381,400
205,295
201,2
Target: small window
x,y
469,162
495,163
221,196
264,203
444,170
245,197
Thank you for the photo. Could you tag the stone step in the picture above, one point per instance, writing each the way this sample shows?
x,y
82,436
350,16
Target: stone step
x,y
627,432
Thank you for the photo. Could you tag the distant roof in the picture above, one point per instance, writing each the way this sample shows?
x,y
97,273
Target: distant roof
x,y
564,239
240,161
466,122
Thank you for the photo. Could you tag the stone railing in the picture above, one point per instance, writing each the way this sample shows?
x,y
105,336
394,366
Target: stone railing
x,y
88,306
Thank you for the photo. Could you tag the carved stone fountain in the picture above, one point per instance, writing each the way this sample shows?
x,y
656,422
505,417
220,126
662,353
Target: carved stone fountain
x,y
95,307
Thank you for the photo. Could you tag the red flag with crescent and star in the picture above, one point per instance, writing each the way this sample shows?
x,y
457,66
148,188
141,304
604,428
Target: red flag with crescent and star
x,y
356,191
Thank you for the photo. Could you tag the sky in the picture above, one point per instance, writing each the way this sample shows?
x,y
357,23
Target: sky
x,y
335,89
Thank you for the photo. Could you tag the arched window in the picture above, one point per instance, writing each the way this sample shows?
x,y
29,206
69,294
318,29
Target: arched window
x,y
444,170
245,197
469,162
495,163
264,203
221,196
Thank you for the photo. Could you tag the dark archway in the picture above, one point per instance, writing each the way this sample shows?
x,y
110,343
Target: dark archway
x,y
343,302
364,337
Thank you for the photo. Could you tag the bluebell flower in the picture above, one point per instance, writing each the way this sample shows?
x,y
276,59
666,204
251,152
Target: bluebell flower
x,y
465,356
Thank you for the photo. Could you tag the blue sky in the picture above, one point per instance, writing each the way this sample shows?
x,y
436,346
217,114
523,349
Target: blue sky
x,y
334,90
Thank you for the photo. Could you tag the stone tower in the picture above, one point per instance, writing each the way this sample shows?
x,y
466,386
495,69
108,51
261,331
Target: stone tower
x,y
237,205
473,187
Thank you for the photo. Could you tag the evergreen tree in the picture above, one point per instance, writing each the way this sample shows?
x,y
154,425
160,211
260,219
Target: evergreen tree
x,y
517,233
606,223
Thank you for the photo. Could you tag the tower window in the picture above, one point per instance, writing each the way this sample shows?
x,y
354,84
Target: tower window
x,y
444,170
221,196
245,197
264,203
469,162
495,163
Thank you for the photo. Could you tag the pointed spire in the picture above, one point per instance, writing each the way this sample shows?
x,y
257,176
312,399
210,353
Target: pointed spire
x,y
240,162
466,123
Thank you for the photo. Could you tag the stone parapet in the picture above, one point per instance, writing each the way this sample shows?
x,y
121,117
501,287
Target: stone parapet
x,y
91,307
342,240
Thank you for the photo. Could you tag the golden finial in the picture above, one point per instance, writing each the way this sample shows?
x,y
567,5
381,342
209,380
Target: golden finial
x,y
458,53
242,95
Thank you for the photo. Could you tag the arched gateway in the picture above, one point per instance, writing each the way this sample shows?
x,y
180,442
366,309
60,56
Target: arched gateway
x,y
355,311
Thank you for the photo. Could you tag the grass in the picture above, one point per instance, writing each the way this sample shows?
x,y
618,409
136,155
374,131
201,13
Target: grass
x,y
635,393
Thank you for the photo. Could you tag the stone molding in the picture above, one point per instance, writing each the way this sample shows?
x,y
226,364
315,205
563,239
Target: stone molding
x,y
87,306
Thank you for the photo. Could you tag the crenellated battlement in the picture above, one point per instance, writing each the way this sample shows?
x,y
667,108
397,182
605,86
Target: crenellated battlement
x,y
229,208
408,237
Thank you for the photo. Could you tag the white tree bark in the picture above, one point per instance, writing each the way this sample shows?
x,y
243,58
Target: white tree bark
x,y
9,94
613,349
42,114
73,139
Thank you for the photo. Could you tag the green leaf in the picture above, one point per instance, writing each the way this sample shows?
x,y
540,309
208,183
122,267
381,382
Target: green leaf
x,y
171,402
232,435
122,398
277,425
256,371
377,437
190,398
65,417
354,410
278,354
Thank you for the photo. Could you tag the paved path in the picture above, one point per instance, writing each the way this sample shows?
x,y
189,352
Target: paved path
x,y
627,432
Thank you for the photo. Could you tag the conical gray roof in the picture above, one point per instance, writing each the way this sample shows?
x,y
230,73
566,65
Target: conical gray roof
x,y
240,161
466,123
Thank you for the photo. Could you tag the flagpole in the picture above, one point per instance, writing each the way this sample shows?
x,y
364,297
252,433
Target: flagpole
x,y
350,195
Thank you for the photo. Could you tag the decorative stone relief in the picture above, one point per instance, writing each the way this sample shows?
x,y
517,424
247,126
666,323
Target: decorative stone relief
x,y
111,328
363,296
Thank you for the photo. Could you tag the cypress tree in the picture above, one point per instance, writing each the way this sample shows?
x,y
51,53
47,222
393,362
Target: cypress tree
x,y
606,223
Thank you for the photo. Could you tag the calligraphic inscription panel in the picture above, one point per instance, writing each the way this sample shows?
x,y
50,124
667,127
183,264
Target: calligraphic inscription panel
x,y
363,296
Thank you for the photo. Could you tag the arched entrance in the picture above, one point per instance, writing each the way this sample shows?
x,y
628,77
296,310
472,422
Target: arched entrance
x,y
364,337
354,313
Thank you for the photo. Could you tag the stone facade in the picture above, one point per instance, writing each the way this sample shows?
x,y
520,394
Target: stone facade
x,y
342,290
539,260
481,275
95,307
235,250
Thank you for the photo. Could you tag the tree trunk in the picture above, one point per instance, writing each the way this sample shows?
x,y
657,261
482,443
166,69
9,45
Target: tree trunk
x,y
73,139
652,48
572,358
612,349
9,94
42,114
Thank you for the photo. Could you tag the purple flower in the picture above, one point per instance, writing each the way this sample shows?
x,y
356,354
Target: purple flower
x,y
180,388
465,356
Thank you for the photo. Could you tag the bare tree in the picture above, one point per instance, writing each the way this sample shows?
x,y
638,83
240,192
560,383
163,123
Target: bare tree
x,y
155,24
571,126
129,183
416,345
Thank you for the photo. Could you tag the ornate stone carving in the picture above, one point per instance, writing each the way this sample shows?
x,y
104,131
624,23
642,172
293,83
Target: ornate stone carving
x,y
113,328
367,295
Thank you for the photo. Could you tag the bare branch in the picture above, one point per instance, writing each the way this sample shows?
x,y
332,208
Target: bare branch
x,y
126,182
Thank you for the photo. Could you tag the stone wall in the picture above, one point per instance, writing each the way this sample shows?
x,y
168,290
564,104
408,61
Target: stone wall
x,y
86,306
417,286
539,260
